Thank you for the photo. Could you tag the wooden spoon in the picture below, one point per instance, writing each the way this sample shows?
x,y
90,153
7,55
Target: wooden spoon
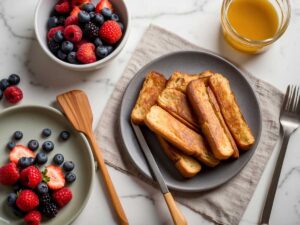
x,y
76,107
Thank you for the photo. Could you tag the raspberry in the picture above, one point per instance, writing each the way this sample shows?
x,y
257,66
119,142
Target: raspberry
x,y
9,174
78,44
13,94
62,197
33,218
73,33
71,20
27,200
63,6
53,30
110,32
91,31
31,177
86,53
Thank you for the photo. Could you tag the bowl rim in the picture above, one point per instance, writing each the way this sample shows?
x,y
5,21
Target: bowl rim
x,y
89,65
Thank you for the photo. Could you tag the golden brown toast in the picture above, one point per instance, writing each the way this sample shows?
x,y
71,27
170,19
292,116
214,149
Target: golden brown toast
x,y
153,85
231,112
216,107
185,139
186,165
208,120
176,103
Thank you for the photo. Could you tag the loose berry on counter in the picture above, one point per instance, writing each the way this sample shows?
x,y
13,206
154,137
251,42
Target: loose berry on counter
x,y
110,32
9,174
62,197
14,79
98,19
73,33
33,218
91,31
42,188
61,55
63,7
103,4
58,36
98,42
89,7
75,11
67,46
52,22
68,166
53,46
46,132
4,83
56,177
27,200
41,158
53,31
58,159
72,58
18,152
71,20
23,162
18,135
10,145
48,146
30,177
107,13
83,17
115,17
11,199
70,177
86,53
33,145
101,52
13,94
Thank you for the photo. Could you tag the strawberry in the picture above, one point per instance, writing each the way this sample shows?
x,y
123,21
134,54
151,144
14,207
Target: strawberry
x,y
13,94
27,200
71,20
31,177
110,32
62,197
103,4
79,2
73,33
56,179
75,11
9,174
86,53
33,218
18,152
63,6
53,30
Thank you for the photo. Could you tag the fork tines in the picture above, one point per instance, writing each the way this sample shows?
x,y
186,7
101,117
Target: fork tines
x,y
292,99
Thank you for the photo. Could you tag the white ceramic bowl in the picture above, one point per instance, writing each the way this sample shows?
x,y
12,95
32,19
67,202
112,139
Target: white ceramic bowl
x,y
42,14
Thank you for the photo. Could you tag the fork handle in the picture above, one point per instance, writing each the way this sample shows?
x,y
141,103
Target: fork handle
x,y
265,216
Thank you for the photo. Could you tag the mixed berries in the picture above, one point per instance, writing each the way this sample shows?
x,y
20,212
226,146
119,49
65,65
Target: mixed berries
x,y
80,32
38,190
9,89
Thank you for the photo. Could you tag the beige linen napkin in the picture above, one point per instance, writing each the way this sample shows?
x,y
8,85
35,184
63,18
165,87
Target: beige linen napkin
x,y
226,204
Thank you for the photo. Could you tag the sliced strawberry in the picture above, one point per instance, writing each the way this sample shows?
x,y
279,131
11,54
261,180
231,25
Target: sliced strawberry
x,y
79,2
55,177
75,11
103,4
18,152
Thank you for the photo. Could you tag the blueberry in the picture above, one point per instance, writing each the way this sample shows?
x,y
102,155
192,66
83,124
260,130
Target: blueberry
x,y
41,158
109,49
31,161
115,17
68,166
58,36
89,7
121,25
101,52
11,199
92,15
4,84
1,94
98,19
98,42
67,46
58,159
42,188
33,145
53,46
46,132
72,58
52,22
70,177
23,162
18,135
14,79
48,146
106,12
61,55
10,145
65,135
83,17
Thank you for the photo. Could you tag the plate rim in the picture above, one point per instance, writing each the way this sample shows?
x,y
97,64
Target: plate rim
x,y
211,54
89,151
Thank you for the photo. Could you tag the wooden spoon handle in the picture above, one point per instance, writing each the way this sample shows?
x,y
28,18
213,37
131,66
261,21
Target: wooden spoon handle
x,y
176,214
106,178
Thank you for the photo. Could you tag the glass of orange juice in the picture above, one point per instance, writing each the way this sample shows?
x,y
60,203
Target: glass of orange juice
x,y
252,25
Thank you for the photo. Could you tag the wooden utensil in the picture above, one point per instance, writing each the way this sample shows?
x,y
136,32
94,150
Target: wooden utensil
x,y
76,107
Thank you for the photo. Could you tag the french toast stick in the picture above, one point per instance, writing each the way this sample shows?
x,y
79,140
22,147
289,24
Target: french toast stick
x,y
185,139
186,165
216,107
208,120
153,85
231,112
176,103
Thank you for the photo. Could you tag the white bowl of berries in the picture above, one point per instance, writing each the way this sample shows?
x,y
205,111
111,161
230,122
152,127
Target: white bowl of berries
x,y
82,35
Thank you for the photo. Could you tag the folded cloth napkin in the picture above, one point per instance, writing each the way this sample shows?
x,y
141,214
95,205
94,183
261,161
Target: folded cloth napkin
x,y
223,205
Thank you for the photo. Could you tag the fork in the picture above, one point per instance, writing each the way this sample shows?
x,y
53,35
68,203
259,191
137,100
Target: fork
x,y
290,121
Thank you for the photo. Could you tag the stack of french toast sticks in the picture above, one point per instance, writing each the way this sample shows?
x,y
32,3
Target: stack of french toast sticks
x,y
196,119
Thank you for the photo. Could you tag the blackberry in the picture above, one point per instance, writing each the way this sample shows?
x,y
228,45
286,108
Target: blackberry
x,y
49,209
91,30
53,46
45,199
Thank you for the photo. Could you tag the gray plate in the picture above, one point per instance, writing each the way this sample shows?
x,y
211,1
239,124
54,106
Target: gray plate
x,y
31,120
190,62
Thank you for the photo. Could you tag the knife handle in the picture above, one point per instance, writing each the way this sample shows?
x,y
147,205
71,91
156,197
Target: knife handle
x,y
176,214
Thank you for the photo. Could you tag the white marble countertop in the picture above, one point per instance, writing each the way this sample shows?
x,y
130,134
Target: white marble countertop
x,y
199,22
